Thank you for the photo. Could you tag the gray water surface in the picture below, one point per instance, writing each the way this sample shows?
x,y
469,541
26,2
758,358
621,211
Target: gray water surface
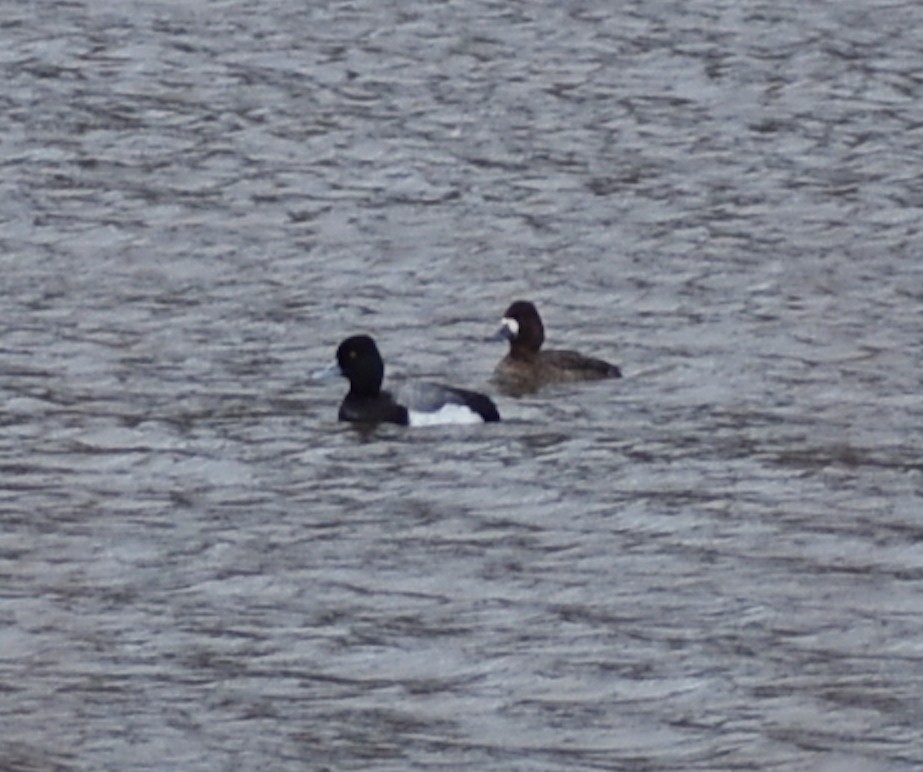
x,y
712,564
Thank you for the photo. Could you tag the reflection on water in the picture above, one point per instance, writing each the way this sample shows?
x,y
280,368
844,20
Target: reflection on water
x,y
710,564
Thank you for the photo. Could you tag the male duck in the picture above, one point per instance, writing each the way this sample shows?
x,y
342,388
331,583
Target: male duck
x,y
417,404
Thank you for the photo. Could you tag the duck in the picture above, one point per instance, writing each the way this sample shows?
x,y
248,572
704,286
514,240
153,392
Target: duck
x,y
421,403
527,367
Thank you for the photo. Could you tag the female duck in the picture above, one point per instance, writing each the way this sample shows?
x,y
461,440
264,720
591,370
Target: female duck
x,y
418,404
526,368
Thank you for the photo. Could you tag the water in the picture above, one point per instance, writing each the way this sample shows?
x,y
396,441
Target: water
x,y
712,564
